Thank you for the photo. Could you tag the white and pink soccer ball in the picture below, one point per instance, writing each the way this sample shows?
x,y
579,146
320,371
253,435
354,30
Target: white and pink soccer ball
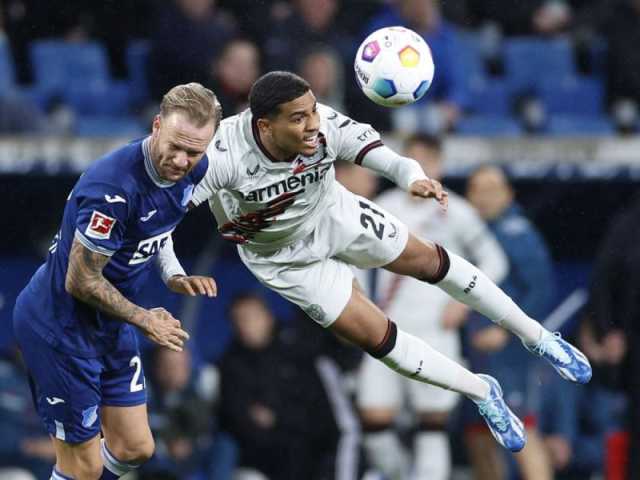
x,y
394,66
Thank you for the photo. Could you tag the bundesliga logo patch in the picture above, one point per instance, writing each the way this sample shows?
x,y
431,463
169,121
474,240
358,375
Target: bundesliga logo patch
x,y
100,226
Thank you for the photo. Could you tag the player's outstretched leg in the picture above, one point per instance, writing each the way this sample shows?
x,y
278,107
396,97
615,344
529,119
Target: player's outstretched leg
x,y
364,324
467,284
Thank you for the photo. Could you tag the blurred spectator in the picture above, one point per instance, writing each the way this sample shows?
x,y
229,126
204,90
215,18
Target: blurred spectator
x,y
357,179
382,394
278,398
618,22
448,95
181,417
19,116
312,23
234,73
493,349
611,338
574,421
324,71
24,443
524,17
186,36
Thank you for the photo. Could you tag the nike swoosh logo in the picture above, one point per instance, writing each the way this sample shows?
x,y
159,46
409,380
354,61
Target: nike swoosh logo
x,y
114,199
148,215
54,400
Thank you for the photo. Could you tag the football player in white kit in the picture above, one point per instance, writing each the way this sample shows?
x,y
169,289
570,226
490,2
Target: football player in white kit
x,y
381,393
271,187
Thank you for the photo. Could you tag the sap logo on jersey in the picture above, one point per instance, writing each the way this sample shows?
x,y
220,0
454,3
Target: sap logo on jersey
x,y
100,226
149,247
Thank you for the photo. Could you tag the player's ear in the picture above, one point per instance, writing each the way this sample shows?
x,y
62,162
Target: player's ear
x,y
155,125
264,125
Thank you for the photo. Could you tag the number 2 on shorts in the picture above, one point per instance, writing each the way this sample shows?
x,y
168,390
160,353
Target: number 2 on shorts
x,y
137,363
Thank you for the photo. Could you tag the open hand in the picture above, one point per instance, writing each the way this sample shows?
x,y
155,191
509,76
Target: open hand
x,y
429,188
193,285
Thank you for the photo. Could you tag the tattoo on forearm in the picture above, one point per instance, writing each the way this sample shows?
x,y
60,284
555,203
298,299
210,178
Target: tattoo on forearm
x,y
85,282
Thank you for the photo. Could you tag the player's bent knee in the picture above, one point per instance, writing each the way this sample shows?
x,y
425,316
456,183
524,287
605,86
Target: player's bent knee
x,y
133,451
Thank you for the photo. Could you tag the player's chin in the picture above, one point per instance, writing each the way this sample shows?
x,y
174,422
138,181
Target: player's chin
x,y
307,150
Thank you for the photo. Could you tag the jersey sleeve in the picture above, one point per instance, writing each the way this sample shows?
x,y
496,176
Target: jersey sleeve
x,y
101,219
220,172
353,139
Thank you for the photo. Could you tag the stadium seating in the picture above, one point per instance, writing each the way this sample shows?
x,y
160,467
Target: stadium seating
x,y
490,96
528,60
573,95
58,64
109,126
580,125
7,71
489,126
137,57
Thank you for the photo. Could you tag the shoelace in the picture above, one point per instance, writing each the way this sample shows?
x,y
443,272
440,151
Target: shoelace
x,y
550,345
497,417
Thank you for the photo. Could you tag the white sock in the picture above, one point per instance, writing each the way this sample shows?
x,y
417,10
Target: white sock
x,y
432,456
113,467
416,359
386,454
469,285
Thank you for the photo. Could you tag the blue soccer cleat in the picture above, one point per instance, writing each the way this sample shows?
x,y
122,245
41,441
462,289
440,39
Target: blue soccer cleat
x,y
506,428
568,361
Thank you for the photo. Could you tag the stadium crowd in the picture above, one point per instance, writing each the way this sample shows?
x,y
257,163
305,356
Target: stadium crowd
x,y
275,396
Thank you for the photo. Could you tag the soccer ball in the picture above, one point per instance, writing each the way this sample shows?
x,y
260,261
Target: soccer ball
x,y
394,66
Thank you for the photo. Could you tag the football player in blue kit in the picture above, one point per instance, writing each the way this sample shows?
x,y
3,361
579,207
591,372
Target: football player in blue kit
x,y
74,320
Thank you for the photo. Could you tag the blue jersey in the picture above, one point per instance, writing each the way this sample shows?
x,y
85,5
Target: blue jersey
x,y
119,207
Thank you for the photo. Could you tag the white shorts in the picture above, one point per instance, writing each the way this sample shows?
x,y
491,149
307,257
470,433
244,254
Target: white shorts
x,y
381,388
314,272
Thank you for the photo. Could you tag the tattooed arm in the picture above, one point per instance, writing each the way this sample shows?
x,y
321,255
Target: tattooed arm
x,y
85,282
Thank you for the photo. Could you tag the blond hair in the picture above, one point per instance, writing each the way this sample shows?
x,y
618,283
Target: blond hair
x,y
199,103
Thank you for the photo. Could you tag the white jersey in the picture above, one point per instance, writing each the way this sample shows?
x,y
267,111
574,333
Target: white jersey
x,y
268,204
418,306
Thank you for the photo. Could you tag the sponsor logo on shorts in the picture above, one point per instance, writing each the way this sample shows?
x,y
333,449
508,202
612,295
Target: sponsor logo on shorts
x,y
89,416
100,226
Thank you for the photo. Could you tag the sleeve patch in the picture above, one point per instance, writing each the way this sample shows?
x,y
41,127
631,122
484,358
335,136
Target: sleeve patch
x,y
100,226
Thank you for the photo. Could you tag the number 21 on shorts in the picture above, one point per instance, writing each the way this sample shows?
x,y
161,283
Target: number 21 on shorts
x,y
367,220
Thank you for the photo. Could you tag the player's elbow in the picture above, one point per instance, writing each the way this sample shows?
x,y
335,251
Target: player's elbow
x,y
74,287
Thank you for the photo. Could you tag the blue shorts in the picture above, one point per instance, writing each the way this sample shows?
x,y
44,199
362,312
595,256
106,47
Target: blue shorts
x,y
68,391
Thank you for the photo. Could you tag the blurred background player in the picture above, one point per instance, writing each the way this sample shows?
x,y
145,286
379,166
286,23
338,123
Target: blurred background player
x,y
74,320
428,313
493,350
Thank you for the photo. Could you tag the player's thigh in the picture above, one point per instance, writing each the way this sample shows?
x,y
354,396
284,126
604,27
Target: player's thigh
x,y
127,433
321,287
66,389
419,259
364,234
380,392
124,412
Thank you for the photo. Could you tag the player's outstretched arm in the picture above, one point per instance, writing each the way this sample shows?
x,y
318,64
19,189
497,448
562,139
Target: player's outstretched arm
x,y
85,282
404,172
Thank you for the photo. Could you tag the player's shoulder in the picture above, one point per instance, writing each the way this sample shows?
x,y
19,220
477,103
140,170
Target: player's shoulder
x,y
232,138
118,170
515,223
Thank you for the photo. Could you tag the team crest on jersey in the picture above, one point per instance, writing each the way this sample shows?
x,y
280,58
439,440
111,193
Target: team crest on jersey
x,y
302,163
100,226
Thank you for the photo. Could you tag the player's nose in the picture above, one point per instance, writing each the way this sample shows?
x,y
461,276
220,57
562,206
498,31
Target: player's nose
x,y
180,160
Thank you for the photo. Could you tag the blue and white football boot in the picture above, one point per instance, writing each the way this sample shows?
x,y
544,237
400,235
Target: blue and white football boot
x,y
505,426
568,361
